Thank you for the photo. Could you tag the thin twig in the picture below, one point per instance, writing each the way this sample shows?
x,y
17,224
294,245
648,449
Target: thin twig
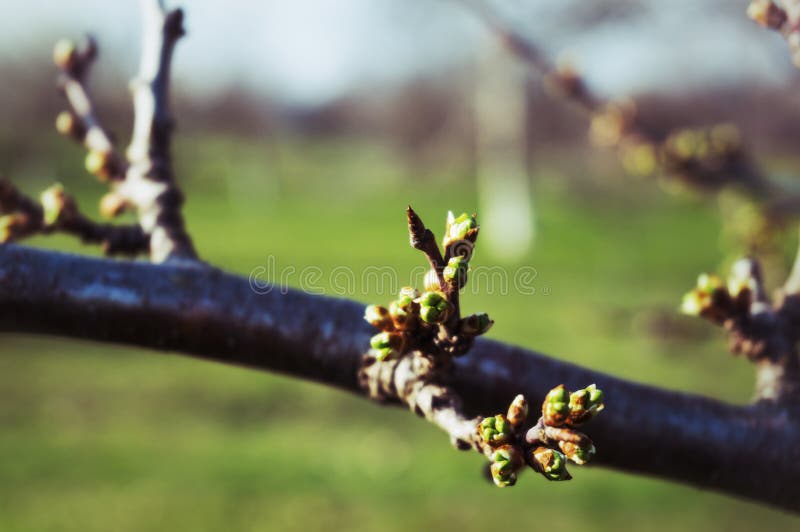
x,y
24,217
149,183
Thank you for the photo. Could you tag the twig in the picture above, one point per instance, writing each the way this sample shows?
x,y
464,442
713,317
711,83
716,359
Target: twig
x,y
149,183
422,238
81,122
58,212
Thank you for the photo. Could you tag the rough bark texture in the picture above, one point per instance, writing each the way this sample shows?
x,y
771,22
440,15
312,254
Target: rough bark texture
x,y
747,451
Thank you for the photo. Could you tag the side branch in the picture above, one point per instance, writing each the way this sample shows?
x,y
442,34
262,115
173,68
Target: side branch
x,y
748,451
150,183
58,212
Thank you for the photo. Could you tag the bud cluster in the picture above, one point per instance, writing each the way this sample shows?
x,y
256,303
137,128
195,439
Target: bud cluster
x,y
548,445
554,439
717,302
561,407
501,435
429,321
704,157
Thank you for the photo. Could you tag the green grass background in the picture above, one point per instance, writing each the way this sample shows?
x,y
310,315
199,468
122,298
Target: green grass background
x,y
101,437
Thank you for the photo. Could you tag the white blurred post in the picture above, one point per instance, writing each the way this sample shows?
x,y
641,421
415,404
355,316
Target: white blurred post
x,y
504,190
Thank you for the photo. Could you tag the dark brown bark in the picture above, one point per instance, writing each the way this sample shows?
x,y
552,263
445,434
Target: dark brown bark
x,y
747,451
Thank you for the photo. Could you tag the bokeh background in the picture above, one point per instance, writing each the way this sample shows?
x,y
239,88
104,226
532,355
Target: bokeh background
x,y
305,128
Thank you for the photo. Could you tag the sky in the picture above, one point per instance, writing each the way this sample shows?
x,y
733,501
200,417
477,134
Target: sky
x,y
307,52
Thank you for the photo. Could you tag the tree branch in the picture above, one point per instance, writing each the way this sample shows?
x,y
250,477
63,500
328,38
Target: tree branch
x,y
82,122
146,181
748,451
705,159
58,212
149,183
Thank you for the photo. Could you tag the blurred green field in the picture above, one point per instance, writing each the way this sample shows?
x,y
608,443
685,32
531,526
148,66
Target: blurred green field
x,y
98,438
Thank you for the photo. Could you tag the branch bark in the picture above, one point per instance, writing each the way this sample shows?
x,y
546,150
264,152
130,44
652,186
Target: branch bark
x,y
747,451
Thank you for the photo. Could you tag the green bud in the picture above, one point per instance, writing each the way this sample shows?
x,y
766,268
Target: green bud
x,y
381,340
434,308
555,409
503,475
404,302
495,430
502,455
585,404
577,453
431,299
388,345
401,312
383,354
476,324
455,273
431,315
559,394
505,462
502,425
550,463
460,228
595,394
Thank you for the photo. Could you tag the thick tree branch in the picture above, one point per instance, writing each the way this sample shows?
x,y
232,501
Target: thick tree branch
x,y
748,451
